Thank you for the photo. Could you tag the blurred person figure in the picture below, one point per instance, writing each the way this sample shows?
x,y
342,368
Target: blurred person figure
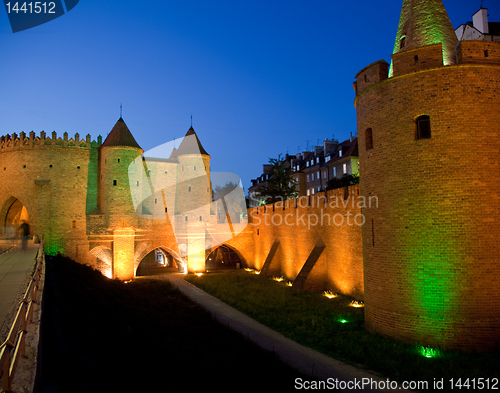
x,y
25,231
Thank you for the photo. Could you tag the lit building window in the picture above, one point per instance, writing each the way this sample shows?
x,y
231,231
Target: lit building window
x,y
344,168
312,176
340,153
334,172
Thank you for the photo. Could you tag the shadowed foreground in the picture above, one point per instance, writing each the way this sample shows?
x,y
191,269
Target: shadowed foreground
x,y
102,335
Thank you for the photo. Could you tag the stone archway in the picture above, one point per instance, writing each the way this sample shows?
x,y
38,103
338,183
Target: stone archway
x,y
158,261
12,214
104,260
222,257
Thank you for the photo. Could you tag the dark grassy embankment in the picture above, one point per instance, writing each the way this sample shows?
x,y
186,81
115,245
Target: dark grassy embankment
x,y
336,329
101,335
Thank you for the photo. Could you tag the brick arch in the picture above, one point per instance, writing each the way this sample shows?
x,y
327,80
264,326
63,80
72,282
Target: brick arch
x,y
104,257
210,252
12,212
144,249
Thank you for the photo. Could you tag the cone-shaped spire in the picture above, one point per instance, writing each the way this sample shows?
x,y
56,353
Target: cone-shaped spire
x,y
120,135
190,144
425,22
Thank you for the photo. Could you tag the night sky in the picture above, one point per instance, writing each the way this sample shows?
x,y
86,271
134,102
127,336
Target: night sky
x,y
260,78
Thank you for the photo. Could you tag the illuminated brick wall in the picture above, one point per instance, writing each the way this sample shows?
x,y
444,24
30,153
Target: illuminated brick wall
x,y
324,217
50,176
431,250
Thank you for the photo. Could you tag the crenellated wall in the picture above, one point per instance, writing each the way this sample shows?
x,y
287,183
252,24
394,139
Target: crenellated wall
x,y
331,219
44,173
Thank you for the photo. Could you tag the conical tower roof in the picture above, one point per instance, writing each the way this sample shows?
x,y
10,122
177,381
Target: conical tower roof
x,y
425,22
120,135
191,144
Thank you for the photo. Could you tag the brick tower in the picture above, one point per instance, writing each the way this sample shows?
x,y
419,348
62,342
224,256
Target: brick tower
x,y
428,150
117,152
425,23
194,195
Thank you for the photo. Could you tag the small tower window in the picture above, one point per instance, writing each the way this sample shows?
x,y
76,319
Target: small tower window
x,y
73,224
137,183
486,54
189,189
423,127
114,182
416,58
118,160
402,42
368,139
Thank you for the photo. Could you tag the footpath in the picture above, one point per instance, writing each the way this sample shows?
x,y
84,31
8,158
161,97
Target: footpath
x,y
305,360
16,266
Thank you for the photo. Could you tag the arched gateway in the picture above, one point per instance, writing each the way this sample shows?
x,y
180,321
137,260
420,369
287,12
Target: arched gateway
x,y
12,214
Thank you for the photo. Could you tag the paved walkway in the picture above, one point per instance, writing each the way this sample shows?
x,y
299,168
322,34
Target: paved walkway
x,y
306,360
15,265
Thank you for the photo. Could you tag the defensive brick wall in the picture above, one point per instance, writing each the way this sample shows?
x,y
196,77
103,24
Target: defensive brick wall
x,y
331,219
44,174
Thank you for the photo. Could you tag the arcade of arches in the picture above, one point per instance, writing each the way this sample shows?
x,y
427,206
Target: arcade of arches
x,y
160,261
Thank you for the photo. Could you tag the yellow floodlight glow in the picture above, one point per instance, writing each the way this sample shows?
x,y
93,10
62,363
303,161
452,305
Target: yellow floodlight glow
x,y
330,294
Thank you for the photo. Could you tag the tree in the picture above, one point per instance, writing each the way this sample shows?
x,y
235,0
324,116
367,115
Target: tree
x,y
281,185
344,181
229,201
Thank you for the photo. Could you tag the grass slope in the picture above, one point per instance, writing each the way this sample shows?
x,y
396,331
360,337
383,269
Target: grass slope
x,y
313,320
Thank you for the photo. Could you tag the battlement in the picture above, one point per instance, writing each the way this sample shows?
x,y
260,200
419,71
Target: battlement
x,y
478,52
343,199
418,59
371,75
31,141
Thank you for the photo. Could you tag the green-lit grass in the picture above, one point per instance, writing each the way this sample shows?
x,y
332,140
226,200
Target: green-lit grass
x,y
336,329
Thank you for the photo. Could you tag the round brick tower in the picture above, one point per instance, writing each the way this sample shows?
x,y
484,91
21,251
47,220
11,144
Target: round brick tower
x,y
116,155
428,151
194,195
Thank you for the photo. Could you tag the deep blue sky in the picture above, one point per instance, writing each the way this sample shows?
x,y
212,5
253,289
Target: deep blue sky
x,y
259,77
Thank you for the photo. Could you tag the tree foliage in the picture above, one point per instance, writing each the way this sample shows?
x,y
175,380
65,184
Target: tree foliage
x,y
281,185
344,181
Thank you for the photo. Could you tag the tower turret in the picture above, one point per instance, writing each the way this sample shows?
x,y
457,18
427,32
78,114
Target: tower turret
x,y
423,23
116,155
117,152
194,195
